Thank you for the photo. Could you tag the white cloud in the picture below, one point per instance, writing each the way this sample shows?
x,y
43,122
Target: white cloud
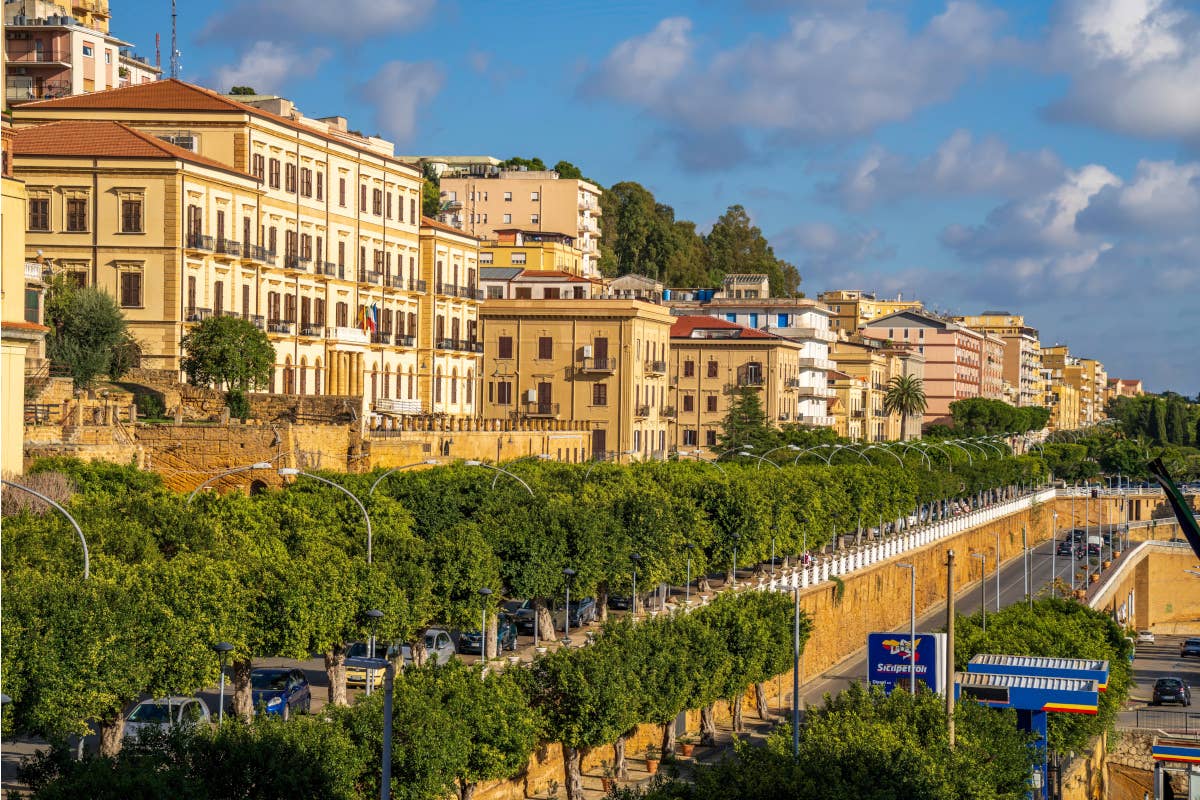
x,y
640,69
828,250
398,92
1134,66
1162,198
349,20
961,165
268,66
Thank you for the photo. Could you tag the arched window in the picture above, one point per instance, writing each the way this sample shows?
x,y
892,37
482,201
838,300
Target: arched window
x,y
303,375
375,381
437,386
289,377
454,385
411,394
470,386
317,385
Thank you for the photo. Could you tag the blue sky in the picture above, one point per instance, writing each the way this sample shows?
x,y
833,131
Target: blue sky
x,y
1042,158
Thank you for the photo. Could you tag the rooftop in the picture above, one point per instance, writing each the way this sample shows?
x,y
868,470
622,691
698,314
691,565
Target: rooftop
x,y
703,327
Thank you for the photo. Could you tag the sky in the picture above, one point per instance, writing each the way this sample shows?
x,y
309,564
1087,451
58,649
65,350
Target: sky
x,y
1035,158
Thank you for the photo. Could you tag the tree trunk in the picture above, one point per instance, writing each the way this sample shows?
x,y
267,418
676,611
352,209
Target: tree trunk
x,y
760,700
602,602
545,622
620,770
243,700
668,741
466,790
112,735
488,646
419,653
572,769
735,710
703,586
335,671
729,576
708,726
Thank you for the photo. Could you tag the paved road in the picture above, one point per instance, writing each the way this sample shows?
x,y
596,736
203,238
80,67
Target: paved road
x,y
1151,662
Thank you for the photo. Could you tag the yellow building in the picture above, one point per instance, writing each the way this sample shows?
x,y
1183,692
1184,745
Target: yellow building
x,y
852,309
534,251
20,304
710,359
603,362
313,233
1022,356
867,370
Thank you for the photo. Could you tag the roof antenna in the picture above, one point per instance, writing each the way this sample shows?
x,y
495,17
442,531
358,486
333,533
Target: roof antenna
x,y
174,49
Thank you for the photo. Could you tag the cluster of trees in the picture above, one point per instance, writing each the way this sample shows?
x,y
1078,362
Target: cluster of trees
x,y
642,236
1109,450
978,416
1169,419
230,353
88,337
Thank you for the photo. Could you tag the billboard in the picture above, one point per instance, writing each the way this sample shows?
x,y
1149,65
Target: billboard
x,y
889,659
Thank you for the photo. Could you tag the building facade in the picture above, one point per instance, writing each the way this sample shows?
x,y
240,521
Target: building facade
x,y
315,236
1022,356
712,359
851,309
532,250
514,283
603,362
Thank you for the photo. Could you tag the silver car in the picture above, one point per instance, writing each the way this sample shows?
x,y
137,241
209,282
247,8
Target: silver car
x,y
162,713
439,647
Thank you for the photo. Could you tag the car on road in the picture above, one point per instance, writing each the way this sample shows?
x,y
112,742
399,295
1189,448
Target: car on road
x,y
1145,637
582,612
280,691
357,676
506,637
163,713
1190,647
439,647
1078,534
1066,547
1171,690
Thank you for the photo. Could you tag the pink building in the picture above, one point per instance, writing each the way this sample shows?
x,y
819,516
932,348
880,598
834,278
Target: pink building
x,y
960,363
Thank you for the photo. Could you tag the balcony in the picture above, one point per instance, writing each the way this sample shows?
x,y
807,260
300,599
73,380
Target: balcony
x,y
381,337
816,363
330,269
820,334
750,379
470,293
308,329
791,383
417,286
405,341
814,391
656,368
642,411
464,345
858,413
33,271
668,412
394,281
252,252
19,88
194,314
448,289
598,365
228,247
817,422
280,326
370,276
196,241
52,57
541,410
297,263
342,333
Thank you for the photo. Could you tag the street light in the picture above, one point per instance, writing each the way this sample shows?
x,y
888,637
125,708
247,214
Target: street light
x,y
291,472
232,471
982,586
636,558
517,478
374,614
484,594
687,587
912,626
733,574
87,569
430,462
222,649
796,674
568,573
1054,551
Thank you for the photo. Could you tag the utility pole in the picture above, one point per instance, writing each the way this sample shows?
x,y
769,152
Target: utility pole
x,y
950,645
174,43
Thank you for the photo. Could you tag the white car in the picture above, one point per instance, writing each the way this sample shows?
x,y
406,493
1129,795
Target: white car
x,y
439,647
1145,637
162,713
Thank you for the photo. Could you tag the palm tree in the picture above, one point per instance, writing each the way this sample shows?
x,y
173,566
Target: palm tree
x,y
905,396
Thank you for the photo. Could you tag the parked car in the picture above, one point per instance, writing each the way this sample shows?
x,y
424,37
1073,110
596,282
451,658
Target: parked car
x,y
522,612
620,602
162,713
582,612
357,676
439,647
1171,690
506,637
1190,647
280,691
1145,637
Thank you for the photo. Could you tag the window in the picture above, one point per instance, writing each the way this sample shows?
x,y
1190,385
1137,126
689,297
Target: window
x,y
518,258
341,254
689,369
545,348
533,196
710,438
362,198
504,347
523,293
689,436
88,51
33,305
131,288
551,293
305,182
108,56
495,292
412,209
289,178
77,208
246,300
689,403
504,393
508,197
218,297
599,394
389,205
781,320
273,179
533,219
320,185
341,315
258,166
377,202
710,403
342,192
712,369
39,213
507,219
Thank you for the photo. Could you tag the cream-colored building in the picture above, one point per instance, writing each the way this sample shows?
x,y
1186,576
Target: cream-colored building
x,y
536,251
314,234
852,309
514,283
483,199
1022,358
1087,381
603,362
711,359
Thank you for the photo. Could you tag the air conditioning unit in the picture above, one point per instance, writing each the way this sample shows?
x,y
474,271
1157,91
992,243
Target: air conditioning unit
x,y
587,351
186,141
531,395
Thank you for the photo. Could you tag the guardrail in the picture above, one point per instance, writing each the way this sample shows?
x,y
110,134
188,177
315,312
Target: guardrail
x,y
1187,722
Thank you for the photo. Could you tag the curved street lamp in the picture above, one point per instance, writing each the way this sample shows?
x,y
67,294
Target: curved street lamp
x,y
87,568
431,462
924,457
538,456
853,448
291,472
760,459
781,447
737,450
813,450
232,471
899,460
516,478
954,443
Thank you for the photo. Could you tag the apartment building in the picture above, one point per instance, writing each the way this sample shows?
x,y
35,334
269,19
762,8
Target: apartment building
x,y
481,197
863,369
1086,377
851,309
535,251
960,363
314,234
54,49
1022,357
801,320
711,359
1125,387
514,283
598,361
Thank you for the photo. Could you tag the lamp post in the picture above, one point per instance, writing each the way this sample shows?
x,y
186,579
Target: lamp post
x,y
430,462
912,625
982,586
287,472
517,478
733,574
1054,551
225,473
996,569
222,649
687,587
87,569
484,594
796,674
636,559
568,574
374,615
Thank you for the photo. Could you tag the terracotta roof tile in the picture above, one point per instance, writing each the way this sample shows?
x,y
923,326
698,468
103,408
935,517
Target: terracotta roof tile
x,y
430,222
685,326
104,140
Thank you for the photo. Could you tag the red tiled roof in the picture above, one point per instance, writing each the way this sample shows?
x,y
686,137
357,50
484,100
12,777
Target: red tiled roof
x,y
551,274
430,222
684,326
97,139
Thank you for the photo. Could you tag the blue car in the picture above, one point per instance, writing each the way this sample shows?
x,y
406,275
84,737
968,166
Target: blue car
x,y
280,691
506,637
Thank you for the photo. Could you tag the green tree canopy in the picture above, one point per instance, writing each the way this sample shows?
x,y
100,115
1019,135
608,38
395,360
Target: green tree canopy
x,y
231,353
88,334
